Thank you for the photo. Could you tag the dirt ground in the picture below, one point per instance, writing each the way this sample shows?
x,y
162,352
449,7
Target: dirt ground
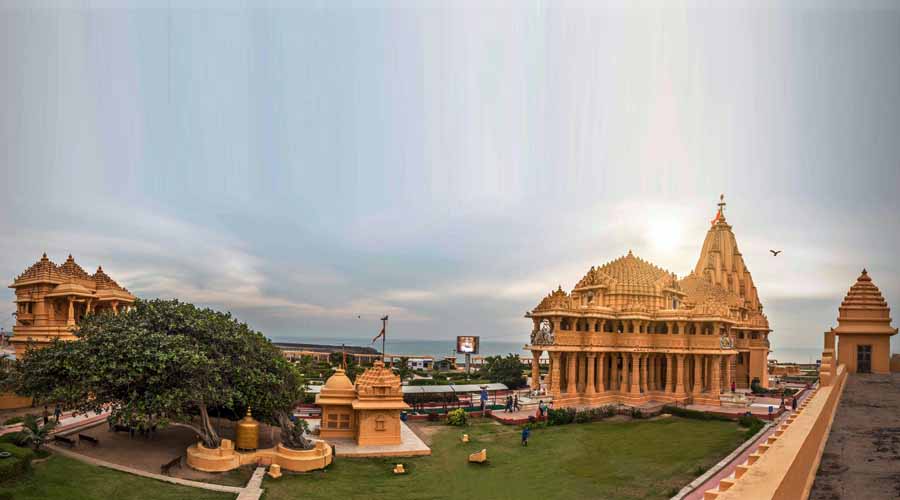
x,y
149,453
862,456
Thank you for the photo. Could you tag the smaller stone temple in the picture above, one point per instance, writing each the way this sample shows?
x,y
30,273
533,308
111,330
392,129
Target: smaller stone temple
x,y
369,412
864,329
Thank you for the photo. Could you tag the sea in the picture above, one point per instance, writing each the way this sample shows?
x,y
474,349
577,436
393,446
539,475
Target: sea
x,y
442,348
406,347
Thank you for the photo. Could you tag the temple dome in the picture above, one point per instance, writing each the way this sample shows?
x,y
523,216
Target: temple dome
x,y
630,275
338,389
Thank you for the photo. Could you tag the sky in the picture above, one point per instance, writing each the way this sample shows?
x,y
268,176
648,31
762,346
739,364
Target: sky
x,y
311,167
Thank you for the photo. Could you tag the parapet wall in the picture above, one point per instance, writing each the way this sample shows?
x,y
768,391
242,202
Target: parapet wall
x,y
785,466
225,457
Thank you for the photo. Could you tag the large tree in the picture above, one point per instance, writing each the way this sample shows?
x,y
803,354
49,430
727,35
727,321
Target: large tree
x,y
505,370
165,361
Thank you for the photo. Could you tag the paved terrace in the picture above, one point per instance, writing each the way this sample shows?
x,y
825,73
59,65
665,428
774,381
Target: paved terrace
x,y
862,456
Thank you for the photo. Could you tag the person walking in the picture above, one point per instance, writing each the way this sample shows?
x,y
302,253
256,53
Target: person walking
x,y
733,387
516,402
794,403
57,412
526,431
46,415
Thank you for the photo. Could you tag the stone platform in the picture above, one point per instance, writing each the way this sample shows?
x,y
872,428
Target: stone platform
x,y
410,446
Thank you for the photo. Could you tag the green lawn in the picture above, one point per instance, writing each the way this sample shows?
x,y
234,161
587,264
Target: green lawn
x,y
67,479
609,460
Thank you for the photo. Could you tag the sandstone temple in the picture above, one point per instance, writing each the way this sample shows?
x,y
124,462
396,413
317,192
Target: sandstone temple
x,y
51,299
631,332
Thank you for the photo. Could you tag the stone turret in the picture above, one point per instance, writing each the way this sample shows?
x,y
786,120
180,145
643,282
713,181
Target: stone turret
x,y
864,328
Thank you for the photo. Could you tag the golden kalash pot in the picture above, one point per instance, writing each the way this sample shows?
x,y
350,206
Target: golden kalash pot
x,y
247,433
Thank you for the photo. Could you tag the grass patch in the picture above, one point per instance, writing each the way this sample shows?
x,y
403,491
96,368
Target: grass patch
x,y
610,460
63,478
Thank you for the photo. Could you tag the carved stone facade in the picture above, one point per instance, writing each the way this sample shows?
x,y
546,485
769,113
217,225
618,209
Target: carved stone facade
x,y
51,300
632,332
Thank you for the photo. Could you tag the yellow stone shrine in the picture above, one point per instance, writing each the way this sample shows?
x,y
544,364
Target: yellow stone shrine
x,y
631,332
368,412
864,329
51,300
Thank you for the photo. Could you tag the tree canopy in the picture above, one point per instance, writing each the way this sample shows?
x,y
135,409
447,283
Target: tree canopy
x,y
505,370
164,361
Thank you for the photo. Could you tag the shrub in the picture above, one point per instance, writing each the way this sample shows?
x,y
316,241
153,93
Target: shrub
x,y
457,417
17,465
561,416
15,438
693,414
583,417
13,421
636,413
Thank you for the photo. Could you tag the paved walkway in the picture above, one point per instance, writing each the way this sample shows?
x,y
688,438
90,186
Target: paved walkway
x,y
728,469
67,422
411,445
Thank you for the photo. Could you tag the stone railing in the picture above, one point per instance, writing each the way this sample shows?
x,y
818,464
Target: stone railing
x,y
785,466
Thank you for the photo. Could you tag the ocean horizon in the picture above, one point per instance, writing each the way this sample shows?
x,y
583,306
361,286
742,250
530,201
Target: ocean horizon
x,y
441,348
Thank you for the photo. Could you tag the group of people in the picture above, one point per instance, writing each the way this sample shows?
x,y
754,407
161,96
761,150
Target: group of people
x,y
512,403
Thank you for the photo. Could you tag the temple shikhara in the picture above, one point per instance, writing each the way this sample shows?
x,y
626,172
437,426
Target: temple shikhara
x,y
864,329
51,299
631,332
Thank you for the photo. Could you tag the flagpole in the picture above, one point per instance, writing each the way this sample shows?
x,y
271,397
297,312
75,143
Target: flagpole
x,y
383,336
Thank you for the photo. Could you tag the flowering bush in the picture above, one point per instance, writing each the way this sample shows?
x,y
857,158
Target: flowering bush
x,y
457,417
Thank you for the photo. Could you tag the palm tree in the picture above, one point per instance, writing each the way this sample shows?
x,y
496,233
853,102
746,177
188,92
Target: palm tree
x,y
34,433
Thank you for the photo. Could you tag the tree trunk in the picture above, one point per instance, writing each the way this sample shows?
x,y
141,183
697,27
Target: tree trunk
x,y
210,437
290,436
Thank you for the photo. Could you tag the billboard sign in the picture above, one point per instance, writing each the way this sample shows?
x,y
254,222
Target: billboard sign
x,y
467,344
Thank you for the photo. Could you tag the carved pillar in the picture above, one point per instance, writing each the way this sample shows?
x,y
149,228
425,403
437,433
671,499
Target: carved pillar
x,y
669,370
635,374
715,378
602,325
554,372
644,374
591,362
571,374
115,306
601,373
729,373
626,369
679,384
71,318
536,369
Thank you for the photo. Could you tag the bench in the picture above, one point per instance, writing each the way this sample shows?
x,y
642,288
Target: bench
x,y
121,428
175,462
90,439
64,440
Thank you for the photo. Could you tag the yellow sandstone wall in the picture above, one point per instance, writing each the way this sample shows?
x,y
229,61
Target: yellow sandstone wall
x,y
10,401
785,466
895,363
881,351
225,458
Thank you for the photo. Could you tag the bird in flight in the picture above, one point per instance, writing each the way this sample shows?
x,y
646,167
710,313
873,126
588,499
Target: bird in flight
x,y
775,252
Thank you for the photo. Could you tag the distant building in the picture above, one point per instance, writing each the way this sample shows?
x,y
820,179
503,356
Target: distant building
x,y
631,332
294,351
51,300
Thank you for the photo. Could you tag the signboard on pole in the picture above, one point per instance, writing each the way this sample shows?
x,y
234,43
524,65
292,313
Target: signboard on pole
x,y
467,344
